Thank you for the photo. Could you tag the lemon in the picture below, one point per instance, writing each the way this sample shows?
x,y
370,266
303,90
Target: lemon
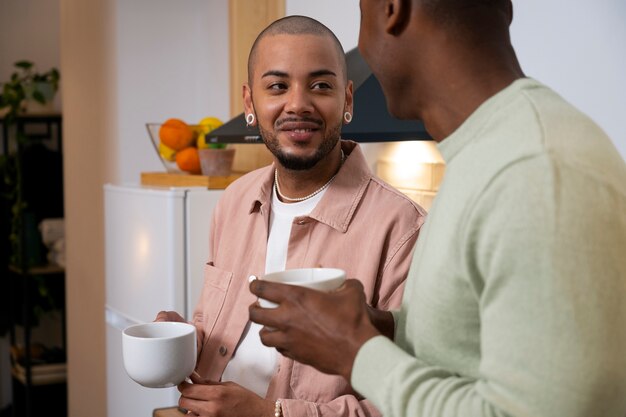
x,y
166,152
205,126
201,141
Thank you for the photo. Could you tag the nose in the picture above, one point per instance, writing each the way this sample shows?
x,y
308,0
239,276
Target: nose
x,y
298,101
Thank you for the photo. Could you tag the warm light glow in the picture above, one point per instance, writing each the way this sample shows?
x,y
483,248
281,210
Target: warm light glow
x,y
406,171
143,247
412,152
140,263
416,168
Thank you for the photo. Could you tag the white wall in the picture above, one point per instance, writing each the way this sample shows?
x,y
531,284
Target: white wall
x,y
577,47
342,17
172,61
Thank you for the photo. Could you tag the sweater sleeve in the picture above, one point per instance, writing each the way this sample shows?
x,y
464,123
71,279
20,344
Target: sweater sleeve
x,y
547,264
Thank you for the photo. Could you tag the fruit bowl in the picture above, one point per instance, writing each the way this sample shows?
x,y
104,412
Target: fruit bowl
x,y
177,143
168,162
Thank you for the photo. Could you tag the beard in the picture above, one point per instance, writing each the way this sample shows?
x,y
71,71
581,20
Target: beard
x,y
298,163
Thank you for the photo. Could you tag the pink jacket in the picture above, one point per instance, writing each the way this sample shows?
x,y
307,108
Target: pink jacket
x,y
361,225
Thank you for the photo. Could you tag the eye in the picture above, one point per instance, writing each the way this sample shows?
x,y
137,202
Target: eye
x,y
322,85
277,86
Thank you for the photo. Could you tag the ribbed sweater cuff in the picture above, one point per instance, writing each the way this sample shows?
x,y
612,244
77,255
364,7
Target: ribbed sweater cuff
x,y
378,356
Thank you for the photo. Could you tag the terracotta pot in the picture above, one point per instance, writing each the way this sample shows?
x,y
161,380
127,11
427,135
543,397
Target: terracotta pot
x,y
216,162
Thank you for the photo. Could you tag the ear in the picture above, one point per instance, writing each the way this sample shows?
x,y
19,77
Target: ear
x,y
397,14
248,107
348,107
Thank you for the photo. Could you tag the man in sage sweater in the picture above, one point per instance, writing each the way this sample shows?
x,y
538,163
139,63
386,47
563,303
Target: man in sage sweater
x,y
514,302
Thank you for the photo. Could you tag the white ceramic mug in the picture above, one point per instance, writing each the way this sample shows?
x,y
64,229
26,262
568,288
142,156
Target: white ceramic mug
x,y
159,354
321,279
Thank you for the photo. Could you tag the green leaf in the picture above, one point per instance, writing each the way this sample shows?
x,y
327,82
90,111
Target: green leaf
x,y
14,91
39,97
24,64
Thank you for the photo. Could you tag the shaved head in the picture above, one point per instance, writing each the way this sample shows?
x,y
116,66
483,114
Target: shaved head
x,y
296,25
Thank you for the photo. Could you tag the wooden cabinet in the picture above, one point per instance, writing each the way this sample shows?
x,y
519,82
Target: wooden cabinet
x,y
247,20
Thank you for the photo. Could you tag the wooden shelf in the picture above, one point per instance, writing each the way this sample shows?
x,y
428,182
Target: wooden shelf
x,y
167,179
39,388
50,269
45,374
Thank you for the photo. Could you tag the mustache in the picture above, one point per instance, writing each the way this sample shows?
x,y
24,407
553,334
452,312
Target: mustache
x,y
280,122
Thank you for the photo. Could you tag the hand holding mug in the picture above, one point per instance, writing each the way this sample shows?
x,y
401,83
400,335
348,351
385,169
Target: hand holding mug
x,y
325,330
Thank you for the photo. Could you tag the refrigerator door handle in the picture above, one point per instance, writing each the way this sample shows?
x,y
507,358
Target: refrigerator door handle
x,y
117,319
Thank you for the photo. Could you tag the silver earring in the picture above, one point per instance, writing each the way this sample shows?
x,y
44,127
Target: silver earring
x,y
249,119
347,117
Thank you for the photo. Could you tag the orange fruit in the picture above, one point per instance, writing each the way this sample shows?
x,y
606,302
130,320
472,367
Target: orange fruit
x,y
187,160
176,134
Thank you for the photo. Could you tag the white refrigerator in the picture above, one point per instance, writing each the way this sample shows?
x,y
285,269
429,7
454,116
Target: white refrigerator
x,y
156,246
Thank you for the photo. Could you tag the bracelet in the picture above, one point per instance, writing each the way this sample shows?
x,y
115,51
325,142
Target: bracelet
x,y
278,410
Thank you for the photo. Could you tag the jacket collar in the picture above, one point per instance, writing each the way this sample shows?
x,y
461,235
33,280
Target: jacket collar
x,y
337,206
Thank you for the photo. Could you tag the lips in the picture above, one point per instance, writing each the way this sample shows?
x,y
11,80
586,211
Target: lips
x,y
299,131
299,126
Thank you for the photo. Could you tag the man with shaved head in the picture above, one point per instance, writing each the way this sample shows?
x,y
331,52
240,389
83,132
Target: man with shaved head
x,y
514,304
318,204
297,25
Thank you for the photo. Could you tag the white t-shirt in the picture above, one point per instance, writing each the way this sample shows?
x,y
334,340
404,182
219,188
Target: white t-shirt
x,y
253,364
281,219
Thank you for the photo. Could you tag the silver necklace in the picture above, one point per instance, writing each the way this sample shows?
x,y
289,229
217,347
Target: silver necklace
x,y
313,194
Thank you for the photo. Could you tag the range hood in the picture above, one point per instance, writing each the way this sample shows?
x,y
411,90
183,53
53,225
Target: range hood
x,y
371,122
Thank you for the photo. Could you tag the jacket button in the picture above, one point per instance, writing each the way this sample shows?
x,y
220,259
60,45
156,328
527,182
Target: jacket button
x,y
223,350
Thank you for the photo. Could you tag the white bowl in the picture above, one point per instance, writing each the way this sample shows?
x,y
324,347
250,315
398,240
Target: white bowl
x,y
159,354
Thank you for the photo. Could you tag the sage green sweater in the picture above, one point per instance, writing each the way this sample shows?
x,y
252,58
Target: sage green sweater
x,y
515,303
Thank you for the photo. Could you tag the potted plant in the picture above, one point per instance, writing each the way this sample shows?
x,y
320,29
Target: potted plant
x,y
26,84
216,160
